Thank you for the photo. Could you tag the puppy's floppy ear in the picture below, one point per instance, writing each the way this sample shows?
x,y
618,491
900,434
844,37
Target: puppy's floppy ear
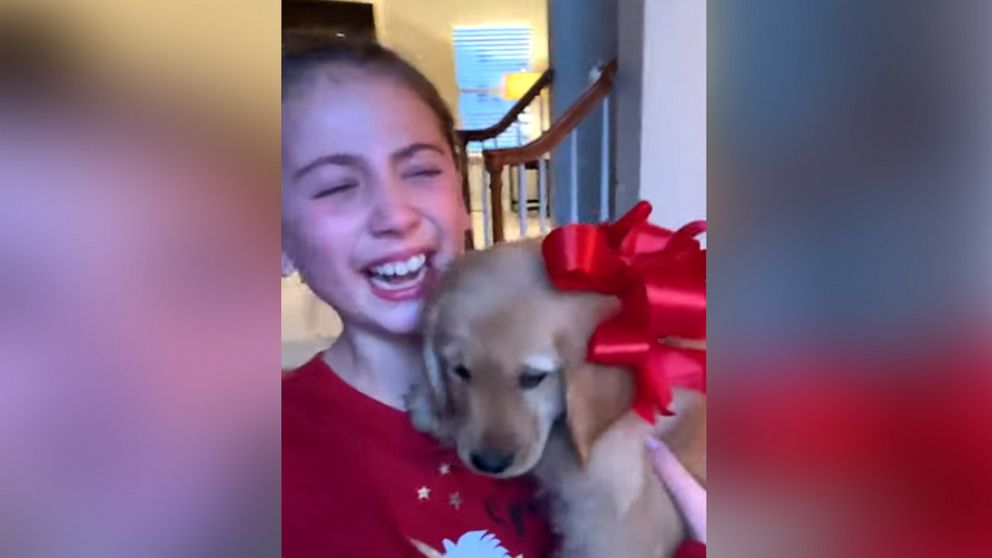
x,y
595,396
433,365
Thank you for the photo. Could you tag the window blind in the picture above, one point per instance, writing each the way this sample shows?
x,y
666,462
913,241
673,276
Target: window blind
x,y
483,55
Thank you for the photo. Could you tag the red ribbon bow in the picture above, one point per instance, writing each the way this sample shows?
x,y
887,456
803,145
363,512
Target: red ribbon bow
x,y
660,278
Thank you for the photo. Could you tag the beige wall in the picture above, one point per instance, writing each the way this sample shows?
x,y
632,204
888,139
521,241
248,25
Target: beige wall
x,y
420,30
673,131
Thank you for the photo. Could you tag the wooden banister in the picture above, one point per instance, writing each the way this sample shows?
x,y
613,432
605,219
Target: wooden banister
x,y
496,159
559,130
466,136
511,116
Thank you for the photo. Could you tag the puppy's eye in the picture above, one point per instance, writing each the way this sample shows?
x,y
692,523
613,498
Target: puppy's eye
x,y
530,380
461,372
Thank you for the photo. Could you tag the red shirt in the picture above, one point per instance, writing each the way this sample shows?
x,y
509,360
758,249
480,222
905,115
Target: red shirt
x,y
691,549
359,481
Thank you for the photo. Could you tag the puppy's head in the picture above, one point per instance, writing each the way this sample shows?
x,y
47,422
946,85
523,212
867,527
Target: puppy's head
x,y
505,356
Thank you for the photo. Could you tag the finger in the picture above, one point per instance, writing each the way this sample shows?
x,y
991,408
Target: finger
x,y
672,472
689,495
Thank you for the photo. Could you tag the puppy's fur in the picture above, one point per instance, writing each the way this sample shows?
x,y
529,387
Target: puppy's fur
x,y
507,376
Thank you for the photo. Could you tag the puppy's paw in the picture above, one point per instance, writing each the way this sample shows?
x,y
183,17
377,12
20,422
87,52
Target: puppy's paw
x,y
424,414
421,409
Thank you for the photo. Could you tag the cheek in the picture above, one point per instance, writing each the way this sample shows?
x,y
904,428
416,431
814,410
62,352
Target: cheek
x,y
460,406
548,403
322,249
531,424
445,208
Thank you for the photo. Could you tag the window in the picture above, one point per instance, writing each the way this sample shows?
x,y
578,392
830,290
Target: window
x,y
483,55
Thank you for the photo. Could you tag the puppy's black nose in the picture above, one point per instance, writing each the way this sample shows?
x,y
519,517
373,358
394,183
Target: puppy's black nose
x,y
492,462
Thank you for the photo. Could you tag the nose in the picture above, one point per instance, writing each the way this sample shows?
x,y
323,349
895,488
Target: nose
x,y
393,212
493,462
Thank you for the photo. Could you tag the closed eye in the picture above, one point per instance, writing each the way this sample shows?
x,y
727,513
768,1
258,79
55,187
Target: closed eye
x,y
423,173
337,189
530,380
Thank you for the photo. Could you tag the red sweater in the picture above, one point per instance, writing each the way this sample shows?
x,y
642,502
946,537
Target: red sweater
x,y
359,481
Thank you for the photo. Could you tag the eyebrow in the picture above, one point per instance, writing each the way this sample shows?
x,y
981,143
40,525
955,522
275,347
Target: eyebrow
x,y
413,149
542,363
350,160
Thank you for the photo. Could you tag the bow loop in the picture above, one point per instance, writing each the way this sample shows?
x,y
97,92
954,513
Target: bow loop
x,y
583,260
660,278
674,300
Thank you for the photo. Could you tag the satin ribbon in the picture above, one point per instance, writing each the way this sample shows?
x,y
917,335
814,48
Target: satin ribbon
x,y
660,278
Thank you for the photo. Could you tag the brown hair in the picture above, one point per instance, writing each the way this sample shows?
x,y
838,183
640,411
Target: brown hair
x,y
297,68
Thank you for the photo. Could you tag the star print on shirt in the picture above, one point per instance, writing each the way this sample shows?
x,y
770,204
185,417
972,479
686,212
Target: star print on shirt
x,y
423,493
455,500
444,469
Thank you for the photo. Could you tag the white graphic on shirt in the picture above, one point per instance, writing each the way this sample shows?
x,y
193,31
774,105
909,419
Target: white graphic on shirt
x,y
474,544
423,493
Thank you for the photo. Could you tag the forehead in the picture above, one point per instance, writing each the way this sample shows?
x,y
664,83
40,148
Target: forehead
x,y
350,111
522,332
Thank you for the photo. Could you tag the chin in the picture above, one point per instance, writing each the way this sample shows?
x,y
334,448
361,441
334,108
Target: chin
x,y
400,318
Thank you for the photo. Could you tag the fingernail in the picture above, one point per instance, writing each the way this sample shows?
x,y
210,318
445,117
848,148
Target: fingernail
x,y
652,444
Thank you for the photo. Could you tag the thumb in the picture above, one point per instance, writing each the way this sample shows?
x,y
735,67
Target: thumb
x,y
689,495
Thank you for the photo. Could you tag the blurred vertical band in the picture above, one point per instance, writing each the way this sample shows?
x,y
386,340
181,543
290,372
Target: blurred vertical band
x,y
850,281
139,301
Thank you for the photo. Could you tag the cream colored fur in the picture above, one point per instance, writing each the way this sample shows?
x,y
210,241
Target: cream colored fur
x,y
614,506
496,314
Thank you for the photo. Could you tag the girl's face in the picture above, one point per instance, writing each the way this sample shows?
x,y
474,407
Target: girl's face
x,y
371,200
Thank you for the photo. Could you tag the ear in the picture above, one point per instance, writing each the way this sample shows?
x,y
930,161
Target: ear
x,y
288,267
595,397
433,365
428,402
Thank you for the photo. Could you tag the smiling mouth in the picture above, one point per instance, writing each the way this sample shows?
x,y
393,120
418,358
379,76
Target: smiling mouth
x,y
400,276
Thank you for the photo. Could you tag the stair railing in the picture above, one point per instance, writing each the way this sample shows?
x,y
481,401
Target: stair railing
x,y
535,154
491,133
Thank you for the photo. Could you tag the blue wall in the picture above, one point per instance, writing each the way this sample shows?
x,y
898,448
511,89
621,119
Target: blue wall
x,y
582,35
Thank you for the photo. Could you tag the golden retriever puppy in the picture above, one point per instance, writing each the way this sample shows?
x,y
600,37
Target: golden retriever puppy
x,y
508,385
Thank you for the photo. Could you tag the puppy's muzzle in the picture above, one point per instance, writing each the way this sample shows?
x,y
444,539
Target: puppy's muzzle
x,y
491,461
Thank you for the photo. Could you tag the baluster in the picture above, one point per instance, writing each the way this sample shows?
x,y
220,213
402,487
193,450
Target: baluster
x,y
496,195
604,164
573,194
542,196
522,198
540,114
486,233
488,210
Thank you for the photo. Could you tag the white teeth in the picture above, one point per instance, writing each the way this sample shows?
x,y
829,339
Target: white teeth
x,y
412,265
392,284
416,262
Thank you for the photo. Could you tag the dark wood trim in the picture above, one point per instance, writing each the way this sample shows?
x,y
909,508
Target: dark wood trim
x,y
510,117
466,193
496,202
559,130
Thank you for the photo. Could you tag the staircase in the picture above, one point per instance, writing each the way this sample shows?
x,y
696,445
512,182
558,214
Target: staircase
x,y
518,167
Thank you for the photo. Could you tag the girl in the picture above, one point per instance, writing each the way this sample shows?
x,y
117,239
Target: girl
x,y
371,215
